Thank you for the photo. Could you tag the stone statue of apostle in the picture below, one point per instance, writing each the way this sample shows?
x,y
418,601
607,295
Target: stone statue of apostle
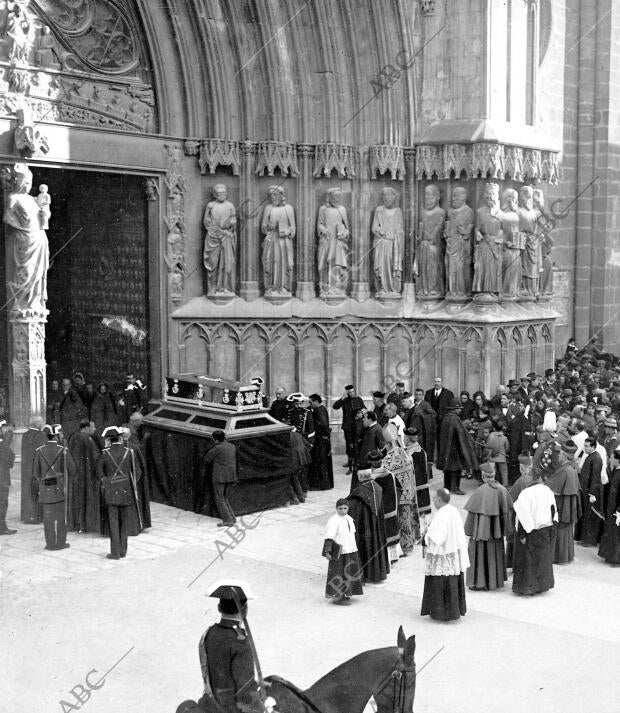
x,y
388,234
220,252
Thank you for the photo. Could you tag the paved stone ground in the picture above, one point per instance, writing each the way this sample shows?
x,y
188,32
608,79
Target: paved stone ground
x,y
63,614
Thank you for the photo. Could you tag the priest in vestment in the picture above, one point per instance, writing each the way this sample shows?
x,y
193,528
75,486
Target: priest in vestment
x,y
31,511
488,522
366,509
534,541
387,482
421,474
446,562
564,482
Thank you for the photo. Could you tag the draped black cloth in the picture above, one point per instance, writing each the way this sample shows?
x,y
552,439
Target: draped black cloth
x,y
387,483
533,561
321,475
610,542
444,597
84,507
456,449
174,470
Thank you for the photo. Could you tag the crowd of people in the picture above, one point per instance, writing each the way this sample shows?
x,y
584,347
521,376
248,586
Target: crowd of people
x,y
83,472
544,451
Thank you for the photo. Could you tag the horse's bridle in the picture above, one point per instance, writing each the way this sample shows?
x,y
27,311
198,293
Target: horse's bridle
x,y
398,680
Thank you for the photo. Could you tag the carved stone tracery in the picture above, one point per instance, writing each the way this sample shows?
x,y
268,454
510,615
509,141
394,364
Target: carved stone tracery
x,y
334,157
219,152
175,221
277,154
386,158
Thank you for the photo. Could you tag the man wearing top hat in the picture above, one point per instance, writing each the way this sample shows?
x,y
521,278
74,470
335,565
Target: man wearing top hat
x,y
227,655
350,404
52,468
116,470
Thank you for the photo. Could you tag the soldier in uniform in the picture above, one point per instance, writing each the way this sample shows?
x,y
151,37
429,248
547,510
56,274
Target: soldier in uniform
x,y
302,441
52,468
227,656
7,458
116,470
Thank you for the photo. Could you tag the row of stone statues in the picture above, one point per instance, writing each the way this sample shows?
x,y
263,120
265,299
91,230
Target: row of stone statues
x,y
502,250
499,251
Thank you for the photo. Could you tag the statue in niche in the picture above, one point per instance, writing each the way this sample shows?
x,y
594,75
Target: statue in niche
x,y
429,258
46,52
489,239
546,224
459,228
388,233
220,251
30,249
278,256
333,252
511,249
531,257
44,201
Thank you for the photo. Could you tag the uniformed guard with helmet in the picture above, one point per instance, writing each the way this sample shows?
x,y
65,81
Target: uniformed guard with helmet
x,y
52,468
116,470
227,655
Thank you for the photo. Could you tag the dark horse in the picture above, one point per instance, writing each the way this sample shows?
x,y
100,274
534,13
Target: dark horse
x,y
386,674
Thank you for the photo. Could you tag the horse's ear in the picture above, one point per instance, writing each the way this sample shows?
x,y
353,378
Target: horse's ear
x,y
402,639
409,654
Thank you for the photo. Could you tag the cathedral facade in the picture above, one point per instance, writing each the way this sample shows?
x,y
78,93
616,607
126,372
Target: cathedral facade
x,y
310,192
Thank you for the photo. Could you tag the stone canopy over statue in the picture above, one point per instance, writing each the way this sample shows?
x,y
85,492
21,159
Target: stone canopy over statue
x,y
278,255
388,234
333,251
25,218
220,250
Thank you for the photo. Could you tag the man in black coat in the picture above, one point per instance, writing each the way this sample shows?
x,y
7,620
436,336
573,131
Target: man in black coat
x,y
589,528
72,409
349,403
223,460
439,398
371,440
280,407
516,427
456,449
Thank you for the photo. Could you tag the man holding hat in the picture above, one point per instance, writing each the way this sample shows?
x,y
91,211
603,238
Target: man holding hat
x,y
350,404
564,483
610,541
52,468
488,522
116,470
7,458
227,653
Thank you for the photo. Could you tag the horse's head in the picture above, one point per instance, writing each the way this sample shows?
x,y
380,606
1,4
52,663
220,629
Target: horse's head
x,y
397,690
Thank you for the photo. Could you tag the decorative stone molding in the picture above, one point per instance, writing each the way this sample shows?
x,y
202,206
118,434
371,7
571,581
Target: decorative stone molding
x,y
277,154
514,163
428,161
486,160
455,158
191,147
174,219
334,157
151,189
219,152
384,158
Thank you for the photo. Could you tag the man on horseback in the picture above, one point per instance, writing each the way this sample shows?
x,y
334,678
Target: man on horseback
x,y
227,656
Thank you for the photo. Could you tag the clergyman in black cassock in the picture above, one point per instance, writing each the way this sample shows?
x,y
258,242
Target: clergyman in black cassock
x,y
488,522
610,542
84,496
321,476
366,509
564,482
590,527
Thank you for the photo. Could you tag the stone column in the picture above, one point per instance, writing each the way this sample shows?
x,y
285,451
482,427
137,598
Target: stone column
x,y
157,280
360,228
408,206
249,216
27,385
306,225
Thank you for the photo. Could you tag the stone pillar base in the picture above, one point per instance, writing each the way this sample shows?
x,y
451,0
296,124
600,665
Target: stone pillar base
x,y
249,291
360,291
305,291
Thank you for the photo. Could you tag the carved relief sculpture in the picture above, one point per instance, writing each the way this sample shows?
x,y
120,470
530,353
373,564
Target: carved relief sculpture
x,y
333,252
489,239
24,220
545,226
220,251
429,247
278,256
388,234
511,249
459,228
531,257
